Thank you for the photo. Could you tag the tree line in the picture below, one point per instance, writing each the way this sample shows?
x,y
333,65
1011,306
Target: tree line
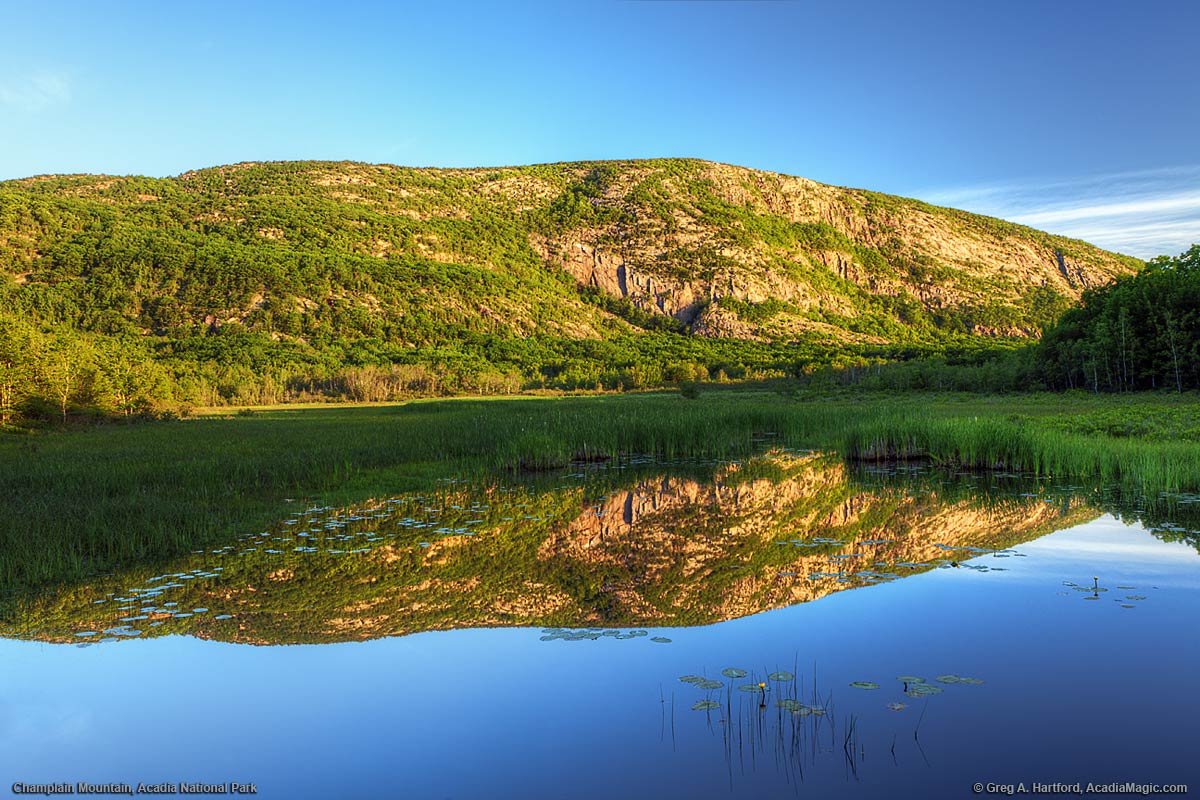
x,y
1139,332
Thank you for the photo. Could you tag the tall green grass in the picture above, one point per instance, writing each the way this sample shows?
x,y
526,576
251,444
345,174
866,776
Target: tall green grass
x,y
73,504
975,442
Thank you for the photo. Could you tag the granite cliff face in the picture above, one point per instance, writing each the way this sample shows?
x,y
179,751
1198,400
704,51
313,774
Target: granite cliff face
x,y
686,238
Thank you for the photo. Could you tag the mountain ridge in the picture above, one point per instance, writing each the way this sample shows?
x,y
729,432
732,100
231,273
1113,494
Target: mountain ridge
x,y
532,272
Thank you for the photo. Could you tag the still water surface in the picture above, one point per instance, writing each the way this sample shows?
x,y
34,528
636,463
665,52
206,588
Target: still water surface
x,y
454,647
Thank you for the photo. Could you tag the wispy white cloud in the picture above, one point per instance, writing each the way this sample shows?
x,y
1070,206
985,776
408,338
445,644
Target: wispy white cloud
x,y
34,92
1144,213
1173,204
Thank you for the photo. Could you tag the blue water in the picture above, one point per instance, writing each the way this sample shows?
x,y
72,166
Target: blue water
x,y
1074,690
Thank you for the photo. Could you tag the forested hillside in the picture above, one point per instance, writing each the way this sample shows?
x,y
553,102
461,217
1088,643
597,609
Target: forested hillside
x,y
261,283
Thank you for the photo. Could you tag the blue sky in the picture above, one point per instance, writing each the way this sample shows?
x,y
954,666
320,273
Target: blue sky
x,y
1077,117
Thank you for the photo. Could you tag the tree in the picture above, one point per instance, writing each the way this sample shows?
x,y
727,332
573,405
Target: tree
x,y
63,367
15,343
129,378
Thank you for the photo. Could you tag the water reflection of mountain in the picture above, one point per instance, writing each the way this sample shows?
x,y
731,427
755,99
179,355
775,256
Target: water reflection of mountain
x,y
615,550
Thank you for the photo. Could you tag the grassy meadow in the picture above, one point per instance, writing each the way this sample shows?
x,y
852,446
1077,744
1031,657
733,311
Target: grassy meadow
x,y
79,503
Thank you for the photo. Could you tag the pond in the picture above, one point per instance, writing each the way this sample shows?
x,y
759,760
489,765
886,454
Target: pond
x,y
784,625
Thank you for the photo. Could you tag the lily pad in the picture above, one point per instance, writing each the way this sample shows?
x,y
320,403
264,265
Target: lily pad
x,y
865,685
660,639
897,706
708,685
733,672
910,679
706,705
922,690
750,687
781,676
692,678
788,704
947,679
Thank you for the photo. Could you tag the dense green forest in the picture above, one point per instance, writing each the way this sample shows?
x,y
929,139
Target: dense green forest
x,y
1140,332
270,283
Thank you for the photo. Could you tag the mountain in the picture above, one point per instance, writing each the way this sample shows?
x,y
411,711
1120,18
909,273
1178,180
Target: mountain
x,y
561,275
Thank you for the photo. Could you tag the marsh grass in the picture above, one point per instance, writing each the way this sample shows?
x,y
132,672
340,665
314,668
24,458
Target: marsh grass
x,y
997,442
79,503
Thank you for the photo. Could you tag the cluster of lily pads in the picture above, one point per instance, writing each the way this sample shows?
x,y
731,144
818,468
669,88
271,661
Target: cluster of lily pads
x,y
840,560
916,686
592,634
318,529
761,688
1183,498
799,709
1094,591
979,551
816,541
142,604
